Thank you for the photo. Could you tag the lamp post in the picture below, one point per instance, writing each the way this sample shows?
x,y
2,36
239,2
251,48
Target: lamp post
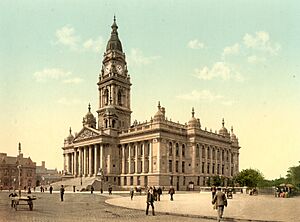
x,y
100,176
19,168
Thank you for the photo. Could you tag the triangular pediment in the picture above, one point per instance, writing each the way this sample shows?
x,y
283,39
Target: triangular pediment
x,y
86,133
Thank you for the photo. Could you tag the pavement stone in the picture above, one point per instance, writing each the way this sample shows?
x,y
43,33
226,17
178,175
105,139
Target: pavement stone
x,y
242,207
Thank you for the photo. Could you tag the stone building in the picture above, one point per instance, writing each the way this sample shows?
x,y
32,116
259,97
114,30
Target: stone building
x,y
9,171
156,152
46,176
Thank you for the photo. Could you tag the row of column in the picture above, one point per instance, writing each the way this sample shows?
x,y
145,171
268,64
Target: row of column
x,y
85,160
141,162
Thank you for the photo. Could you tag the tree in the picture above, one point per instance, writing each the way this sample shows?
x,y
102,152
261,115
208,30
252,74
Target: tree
x,y
250,178
293,175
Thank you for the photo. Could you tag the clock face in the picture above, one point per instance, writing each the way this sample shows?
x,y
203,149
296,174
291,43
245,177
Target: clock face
x,y
119,69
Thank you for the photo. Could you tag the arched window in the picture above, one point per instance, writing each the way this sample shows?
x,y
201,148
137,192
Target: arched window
x,y
170,149
119,98
177,149
197,151
106,95
113,123
208,153
106,123
213,154
203,151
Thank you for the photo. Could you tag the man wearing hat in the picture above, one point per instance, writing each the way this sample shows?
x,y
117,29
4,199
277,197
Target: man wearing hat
x,y
150,200
220,200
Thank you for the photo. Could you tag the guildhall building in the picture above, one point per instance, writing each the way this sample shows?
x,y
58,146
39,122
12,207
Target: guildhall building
x,y
157,152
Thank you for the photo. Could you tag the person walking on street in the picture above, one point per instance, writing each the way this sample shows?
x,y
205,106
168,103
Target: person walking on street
x,y
171,192
150,200
51,189
131,193
110,189
159,192
213,190
220,200
62,192
92,189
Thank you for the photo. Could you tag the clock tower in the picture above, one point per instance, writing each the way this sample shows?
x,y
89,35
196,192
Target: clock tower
x,y
114,111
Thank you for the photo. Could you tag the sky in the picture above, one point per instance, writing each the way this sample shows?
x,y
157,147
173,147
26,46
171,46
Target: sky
x,y
237,60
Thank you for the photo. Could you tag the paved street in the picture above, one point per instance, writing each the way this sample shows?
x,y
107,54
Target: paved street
x,y
78,207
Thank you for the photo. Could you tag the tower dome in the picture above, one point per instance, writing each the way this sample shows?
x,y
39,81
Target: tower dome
x,y
223,131
70,138
233,136
193,122
114,42
89,119
159,115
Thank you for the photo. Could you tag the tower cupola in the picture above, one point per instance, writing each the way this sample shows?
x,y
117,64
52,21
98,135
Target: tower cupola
x,y
114,42
89,120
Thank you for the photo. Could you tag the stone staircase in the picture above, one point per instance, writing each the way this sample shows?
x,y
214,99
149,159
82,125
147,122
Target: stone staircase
x,y
69,183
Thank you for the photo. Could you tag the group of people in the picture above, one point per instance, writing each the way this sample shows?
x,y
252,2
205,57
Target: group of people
x,y
283,192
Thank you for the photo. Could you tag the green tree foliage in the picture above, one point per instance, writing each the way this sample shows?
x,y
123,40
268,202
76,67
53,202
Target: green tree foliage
x,y
293,175
250,178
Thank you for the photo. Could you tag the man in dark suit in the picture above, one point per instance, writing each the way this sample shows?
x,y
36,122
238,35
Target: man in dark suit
x,y
150,200
220,200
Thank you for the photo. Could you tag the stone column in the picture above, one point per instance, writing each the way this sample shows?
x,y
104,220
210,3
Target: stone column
x,y
72,163
136,159
144,160
150,158
158,155
90,161
65,164
80,161
75,163
84,161
174,158
123,159
101,157
129,158
96,165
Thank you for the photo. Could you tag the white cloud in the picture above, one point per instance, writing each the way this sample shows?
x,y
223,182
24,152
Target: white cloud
x,y
136,57
66,36
228,102
46,74
255,59
195,44
218,70
75,80
94,45
261,41
231,50
200,95
69,102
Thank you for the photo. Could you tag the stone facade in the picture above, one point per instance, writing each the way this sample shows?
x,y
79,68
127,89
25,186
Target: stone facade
x,y
9,172
156,152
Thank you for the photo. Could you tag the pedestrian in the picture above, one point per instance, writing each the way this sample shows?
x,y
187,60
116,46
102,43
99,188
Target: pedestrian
x,y
213,190
109,189
92,189
13,194
51,189
220,200
171,192
159,192
131,192
62,192
33,189
150,200
29,190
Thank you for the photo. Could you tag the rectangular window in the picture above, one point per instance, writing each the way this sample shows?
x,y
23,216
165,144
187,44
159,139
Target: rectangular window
x,y
183,166
171,180
197,152
141,149
202,167
222,169
138,180
198,181
213,168
176,167
218,169
131,181
170,166
183,181
208,168
125,181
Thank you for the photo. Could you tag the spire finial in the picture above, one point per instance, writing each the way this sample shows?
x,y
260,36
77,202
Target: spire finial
x,y
193,112
19,148
231,129
223,123
114,17
89,107
70,130
158,105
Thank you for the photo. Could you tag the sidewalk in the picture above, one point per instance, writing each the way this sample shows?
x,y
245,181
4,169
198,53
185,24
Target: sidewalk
x,y
242,207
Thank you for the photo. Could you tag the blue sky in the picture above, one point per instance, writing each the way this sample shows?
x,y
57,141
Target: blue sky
x,y
236,60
